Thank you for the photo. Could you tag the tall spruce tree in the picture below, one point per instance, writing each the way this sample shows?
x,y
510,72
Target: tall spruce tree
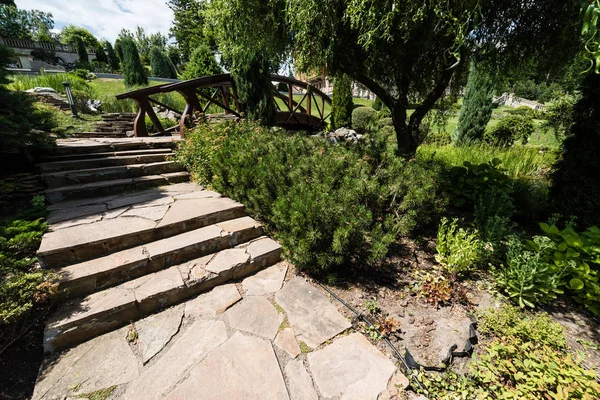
x,y
476,109
341,103
202,63
133,70
100,55
82,53
113,61
161,64
252,77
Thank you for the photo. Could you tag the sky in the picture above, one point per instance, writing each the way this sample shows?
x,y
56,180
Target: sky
x,y
106,18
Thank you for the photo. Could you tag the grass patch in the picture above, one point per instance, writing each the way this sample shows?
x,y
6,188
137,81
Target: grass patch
x,y
64,122
518,161
23,82
304,347
101,394
285,324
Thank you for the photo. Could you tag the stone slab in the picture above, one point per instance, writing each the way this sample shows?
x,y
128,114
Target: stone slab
x,y
97,364
352,368
300,384
255,315
183,210
244,367
312,317
214,302
286,341
76,212
155,331
187,349
227,260
266,281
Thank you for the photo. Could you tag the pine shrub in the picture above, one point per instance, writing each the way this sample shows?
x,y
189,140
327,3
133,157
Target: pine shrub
x,y
252,76
100,55
341,102
133,70
161,64
476,109
113,59
364,119
202,63
82,54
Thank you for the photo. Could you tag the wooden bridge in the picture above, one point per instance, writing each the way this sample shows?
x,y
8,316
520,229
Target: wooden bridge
x,y
220,91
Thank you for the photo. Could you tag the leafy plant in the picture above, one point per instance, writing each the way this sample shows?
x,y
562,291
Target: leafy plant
x,y
435,289
388,326
510,129
458,248
364,119
372,306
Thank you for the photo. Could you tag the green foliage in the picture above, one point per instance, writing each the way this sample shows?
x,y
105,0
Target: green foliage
x,y
202,63
527,278
23,82
476,109
341,102
113,59
458,248
542,92
524,359
386,122
492,213
188,27
435,288
70,33
364,119
378,104
559,116
82,53
527,112
23,24
63,123
576,182
133,71
161,64
509,130
252,77
372,307
328,205
100,55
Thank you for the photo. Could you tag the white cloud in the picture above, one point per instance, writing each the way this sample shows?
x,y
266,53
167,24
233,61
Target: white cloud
x,y
106,18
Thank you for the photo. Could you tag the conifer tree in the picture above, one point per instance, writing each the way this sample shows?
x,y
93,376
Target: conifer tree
x,y
255,91
161,64
112,56
100,55
341,103
82,53
133,71
476,109
202,63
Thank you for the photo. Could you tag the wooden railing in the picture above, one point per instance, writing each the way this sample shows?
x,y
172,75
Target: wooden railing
x,y
220,91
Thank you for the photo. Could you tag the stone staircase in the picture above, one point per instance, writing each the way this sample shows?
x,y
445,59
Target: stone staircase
x,y
122,250
113,125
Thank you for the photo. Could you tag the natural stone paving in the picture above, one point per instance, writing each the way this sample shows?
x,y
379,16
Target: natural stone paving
x,y
265,282
312,317
222,346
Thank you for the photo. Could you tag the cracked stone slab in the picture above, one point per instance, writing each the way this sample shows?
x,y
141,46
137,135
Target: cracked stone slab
x,y
143,198
299,382
214,302
76,212
182,210
286,341
312,317
96,364
201,194
187,349
352,368
153,213
255,315
265,282
244,367
155,331
88,219
227,260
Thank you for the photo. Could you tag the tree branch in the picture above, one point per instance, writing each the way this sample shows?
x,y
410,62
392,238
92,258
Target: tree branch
x,y
376,88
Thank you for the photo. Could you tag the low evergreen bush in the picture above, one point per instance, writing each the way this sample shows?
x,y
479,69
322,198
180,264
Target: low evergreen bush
x,y
364,119
510,129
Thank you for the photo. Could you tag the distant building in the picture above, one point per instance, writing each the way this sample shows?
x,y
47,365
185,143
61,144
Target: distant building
x,y
325,84
63,53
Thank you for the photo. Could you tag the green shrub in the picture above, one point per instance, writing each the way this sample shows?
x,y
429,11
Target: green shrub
x,y
377,104
341,102
527,278
458,249
82,53
254,88
202,63
134,73
384,113
492,216
364,119
509,130
386,122
23,82
165,122
526,112
161,64
559,116
328,205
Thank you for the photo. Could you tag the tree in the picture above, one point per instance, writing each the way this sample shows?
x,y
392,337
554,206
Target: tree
x,y
252,77
113,61
476,109
161,65
202,63
119,49
82,53
342,104
70,32
100,55
175,56
24,24
189,26
133,70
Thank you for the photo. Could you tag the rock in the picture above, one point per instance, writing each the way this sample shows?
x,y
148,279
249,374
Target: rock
x,y
214,302
96,364
286,341
397,384
155,331
244,367
299,383
227,260
187,350
255,315
41,90
312,317
266,281
352,368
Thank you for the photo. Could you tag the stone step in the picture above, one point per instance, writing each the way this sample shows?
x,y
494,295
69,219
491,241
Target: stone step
x,y
105,188
102,160
73,157
101,134
83,176
128,221
82,319
124,145
83,279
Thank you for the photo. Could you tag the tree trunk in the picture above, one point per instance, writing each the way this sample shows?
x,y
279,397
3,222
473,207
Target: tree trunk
x,y
405,137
